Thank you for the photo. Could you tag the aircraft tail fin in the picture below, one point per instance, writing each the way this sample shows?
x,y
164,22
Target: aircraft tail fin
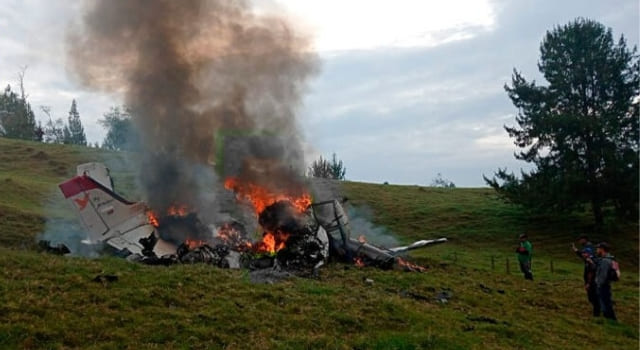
x,y
108,217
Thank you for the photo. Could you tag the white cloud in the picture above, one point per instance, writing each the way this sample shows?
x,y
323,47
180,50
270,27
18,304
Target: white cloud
x,y
37,41
495,141
339,25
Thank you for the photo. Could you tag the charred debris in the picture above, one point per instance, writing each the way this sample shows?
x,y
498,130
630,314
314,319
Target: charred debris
x,y
298,236
294,242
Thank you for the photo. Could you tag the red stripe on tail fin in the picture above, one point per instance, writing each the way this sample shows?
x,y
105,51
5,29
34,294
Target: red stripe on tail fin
x,y
76,185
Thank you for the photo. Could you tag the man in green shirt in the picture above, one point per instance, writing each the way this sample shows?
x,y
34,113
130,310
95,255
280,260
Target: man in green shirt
x,y
524,251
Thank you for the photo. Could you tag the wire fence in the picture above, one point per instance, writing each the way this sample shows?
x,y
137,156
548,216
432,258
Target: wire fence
x,y
504,263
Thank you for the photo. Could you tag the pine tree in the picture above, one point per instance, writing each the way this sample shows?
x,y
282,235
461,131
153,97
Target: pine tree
x,y
338,169
74,134
323,168
67,139
320,168
581,130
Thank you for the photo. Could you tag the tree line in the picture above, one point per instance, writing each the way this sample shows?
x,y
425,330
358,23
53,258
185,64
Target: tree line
x,y
17,120
327,169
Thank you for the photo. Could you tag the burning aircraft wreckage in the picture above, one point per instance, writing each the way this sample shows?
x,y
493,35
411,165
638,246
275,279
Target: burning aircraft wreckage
x,y
209,84
298,235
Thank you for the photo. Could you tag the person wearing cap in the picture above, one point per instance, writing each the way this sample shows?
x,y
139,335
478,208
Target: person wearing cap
x,y
587,252
604,264
523,252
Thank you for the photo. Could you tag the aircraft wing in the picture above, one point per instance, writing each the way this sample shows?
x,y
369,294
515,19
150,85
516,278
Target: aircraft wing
x,y
416,245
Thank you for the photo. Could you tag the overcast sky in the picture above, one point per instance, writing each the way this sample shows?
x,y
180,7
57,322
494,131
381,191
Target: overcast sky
x,y
406,89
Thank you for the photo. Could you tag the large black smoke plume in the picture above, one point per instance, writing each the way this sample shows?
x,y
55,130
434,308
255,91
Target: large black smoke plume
x,y
194,72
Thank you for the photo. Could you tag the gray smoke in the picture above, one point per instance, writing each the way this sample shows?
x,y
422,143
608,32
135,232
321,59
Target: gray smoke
x,y
361,222
198,75
360,217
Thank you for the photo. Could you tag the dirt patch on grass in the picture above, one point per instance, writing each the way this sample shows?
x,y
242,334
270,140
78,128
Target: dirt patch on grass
x,y
40,155
58,168
61,170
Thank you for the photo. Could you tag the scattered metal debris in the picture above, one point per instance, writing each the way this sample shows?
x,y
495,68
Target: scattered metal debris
x,y
485,288
483,319
104,279
444,296
58,249
416,296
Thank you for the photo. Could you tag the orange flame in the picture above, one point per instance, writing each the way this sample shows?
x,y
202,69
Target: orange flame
x,y
362,239
174,210
272,243
153,219
269,243
177,210
261,197
358,261
410,266
193,243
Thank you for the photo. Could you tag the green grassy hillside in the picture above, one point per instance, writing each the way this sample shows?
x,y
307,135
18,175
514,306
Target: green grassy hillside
x,y
52,302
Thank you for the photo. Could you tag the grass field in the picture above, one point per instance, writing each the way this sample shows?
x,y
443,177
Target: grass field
x,y
52,302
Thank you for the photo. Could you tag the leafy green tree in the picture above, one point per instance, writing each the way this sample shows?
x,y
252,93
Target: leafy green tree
x,y
440,181
74,132
16,117
121,134
327,169
581,129
53,130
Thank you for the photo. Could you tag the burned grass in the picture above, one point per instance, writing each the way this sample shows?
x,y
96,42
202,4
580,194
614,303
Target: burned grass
x,y
48,301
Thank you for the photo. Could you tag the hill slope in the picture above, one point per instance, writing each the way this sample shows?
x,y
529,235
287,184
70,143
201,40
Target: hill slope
x,y
52,302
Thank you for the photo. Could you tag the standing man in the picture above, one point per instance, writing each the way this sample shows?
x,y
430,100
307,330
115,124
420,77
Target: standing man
x,y
586,252
524,251
606,271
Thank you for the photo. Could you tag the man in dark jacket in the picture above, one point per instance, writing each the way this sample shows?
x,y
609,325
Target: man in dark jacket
x,y
605,266
587,251
607,270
